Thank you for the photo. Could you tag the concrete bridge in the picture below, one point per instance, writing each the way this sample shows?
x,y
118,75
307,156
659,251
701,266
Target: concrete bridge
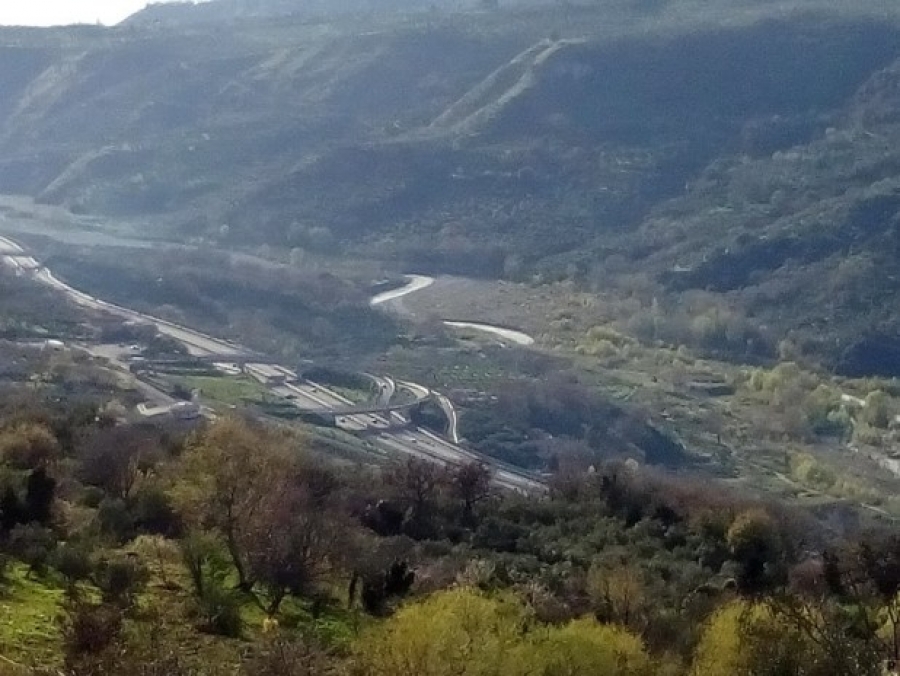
x,y
373,408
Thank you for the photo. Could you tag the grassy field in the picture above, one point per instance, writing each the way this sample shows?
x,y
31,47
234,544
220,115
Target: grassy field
x,y
30,613
231,390
357,396
29,609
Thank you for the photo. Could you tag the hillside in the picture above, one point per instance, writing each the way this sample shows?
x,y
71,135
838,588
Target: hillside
x,y
739,151
636,413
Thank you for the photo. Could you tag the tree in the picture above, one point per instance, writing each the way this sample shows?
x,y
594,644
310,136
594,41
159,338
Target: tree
x,y
10,509
296,537
40,491
724,648
586,648
230,472
754,543
785,635
470,484
32,544
416,484
115,459
73,562
28,446
875,577
617,593
377,588
458,632
115,519
203,560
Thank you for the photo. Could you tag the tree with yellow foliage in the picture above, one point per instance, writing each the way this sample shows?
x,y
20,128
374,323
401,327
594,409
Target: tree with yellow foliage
x,y
458,632
584,648
461,632
617,593
776,638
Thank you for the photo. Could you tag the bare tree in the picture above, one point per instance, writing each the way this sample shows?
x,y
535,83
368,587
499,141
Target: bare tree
x,y
416,484
470,484
297,536
230,474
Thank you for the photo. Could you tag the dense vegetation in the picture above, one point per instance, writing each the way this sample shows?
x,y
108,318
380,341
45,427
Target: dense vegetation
x,y
692,206
294,311
238,545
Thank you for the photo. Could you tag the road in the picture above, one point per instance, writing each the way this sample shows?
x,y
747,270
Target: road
x,y
510,335
415,442
418,282
414,283
198,344
452,416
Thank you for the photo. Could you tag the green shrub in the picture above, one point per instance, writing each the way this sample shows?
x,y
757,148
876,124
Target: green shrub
x,y
219,610
33,545
116,520
876,412
120,579
73,562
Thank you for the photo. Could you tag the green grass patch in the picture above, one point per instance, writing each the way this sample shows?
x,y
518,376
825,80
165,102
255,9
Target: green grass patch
x,y
29,608
357,396
227,389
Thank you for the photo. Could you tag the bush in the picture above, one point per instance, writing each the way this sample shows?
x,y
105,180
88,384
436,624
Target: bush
x,y
73,562
283,656
876,413
219,610
28,446
120,580
88,628
116,520
153,513
33,545
92,497
204,560
824,414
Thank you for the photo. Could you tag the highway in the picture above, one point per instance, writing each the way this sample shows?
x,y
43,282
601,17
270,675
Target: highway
x,y
198,344
452,416
415,442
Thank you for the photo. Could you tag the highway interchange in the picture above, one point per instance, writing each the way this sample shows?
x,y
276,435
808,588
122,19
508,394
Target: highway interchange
x,y
387,430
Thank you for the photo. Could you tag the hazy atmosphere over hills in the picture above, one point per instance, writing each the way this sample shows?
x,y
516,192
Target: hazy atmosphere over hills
x,y
546,141
337,336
